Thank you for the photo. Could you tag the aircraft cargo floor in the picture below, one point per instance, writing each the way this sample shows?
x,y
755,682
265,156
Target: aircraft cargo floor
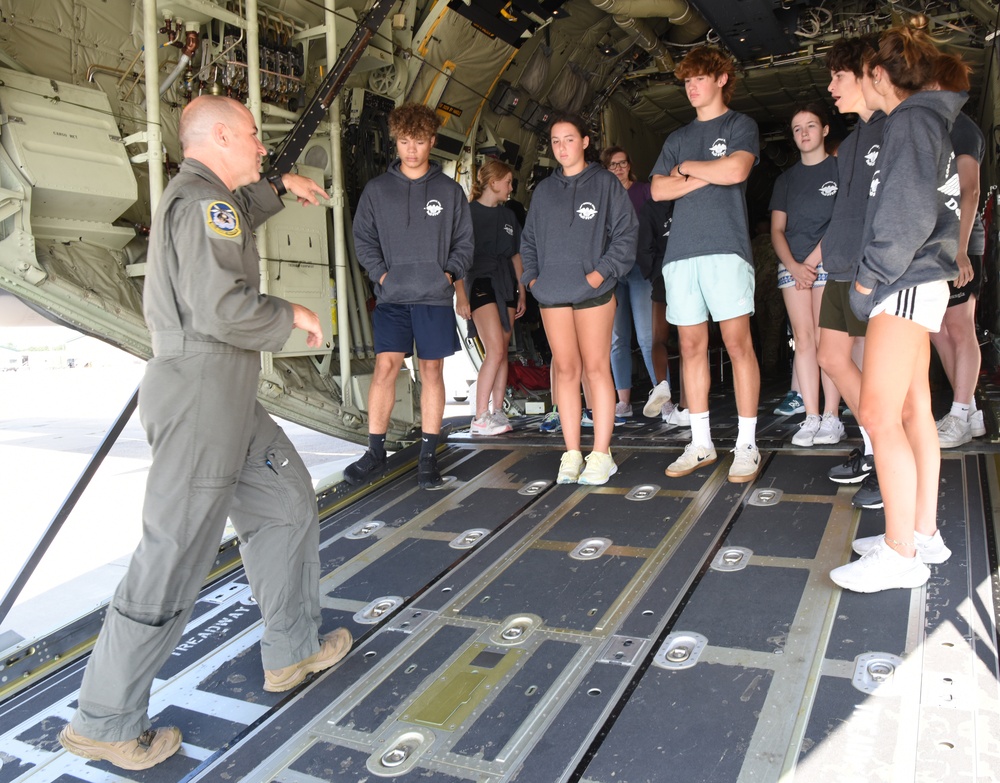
x,y
511,629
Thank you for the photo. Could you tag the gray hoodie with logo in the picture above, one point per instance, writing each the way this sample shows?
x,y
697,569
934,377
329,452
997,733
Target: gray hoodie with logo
x,y
413,231
911,226
576,225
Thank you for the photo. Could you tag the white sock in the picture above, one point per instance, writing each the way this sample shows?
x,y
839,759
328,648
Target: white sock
x,y
960,411
701,433
747,432
868,442
972,405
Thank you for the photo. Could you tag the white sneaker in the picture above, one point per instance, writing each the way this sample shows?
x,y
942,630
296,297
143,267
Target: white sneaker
x,y
623,409
807,431
932,549
659,397
486,425
830,430
675,417
600,467
881,568
952,432
746,463
501,420
976,424
569,468
694,457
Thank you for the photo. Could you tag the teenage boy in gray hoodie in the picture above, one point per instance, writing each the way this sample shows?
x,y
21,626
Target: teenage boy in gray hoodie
x,y
413,236
708,268
841,333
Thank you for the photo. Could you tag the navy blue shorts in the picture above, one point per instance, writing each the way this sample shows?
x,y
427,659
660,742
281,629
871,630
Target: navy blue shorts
x,y
432,327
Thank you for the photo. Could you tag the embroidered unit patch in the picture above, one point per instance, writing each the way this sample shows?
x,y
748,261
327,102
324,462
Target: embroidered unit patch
x,y
222,219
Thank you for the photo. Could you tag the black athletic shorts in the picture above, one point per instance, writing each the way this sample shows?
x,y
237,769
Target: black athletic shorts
x,y
586,304
483,293
972,288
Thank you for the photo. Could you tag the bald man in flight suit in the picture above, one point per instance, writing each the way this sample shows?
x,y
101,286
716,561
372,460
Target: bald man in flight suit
x,y
216,453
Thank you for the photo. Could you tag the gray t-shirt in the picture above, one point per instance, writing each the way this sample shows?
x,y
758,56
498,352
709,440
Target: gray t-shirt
x,y
806,194
967,139
712,219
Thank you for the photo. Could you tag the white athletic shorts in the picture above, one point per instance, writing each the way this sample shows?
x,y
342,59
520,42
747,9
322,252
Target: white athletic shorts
x,y
923,304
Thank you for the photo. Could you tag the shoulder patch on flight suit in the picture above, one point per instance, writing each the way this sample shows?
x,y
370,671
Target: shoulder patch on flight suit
x,y
222,219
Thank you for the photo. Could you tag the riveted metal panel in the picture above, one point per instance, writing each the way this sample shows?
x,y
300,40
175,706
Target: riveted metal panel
x,y
401,571
486,507
565,593
384,699
749,609
611,516
699,720
788,529
519,697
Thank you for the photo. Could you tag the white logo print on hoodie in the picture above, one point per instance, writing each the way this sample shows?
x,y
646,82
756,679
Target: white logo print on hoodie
x,y
951,188
587,211
433,208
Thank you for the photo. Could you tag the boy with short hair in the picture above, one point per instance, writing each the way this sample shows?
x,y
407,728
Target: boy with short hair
x,y
708,266
857,164
413,236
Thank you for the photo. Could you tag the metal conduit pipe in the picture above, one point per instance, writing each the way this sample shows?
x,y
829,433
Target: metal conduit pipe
x,y
254,104
361,295
646,38
688,24
354,306
154,137
345,329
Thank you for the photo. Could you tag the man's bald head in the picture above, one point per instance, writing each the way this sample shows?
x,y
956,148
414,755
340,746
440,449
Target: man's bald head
x,y
201,116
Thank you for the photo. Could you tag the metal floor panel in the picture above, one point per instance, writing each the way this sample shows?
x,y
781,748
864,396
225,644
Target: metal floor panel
x,y
511,629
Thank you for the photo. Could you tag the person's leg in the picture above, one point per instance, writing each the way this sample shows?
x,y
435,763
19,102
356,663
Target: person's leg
x,y
831,396
746,371
799,306
835,358
431,395
382,393
640,291
500,381
960,322
274,514
694,353
621,343
659,351
560,330
494,339
921,433
593,326
197,411
894,356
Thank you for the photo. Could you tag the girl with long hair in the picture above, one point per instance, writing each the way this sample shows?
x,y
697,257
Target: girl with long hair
x,y
909,242
801,206
495,297
579,240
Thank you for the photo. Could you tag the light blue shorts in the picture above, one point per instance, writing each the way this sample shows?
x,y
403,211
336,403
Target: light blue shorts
x,y
718,285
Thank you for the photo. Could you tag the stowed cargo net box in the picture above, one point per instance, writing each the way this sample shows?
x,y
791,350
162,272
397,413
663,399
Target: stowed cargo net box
x,y
65,143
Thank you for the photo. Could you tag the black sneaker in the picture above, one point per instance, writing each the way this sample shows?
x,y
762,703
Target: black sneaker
x,y
854,469
365,469
868,495
427,474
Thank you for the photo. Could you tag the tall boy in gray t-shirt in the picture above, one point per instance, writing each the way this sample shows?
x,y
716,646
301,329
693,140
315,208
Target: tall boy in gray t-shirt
x,y
708,267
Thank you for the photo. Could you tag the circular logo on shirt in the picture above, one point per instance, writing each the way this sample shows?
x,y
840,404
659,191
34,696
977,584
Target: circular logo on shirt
x,y
872,155
718,148
873,189
508,228
828,188
587,211
223,220
434,207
